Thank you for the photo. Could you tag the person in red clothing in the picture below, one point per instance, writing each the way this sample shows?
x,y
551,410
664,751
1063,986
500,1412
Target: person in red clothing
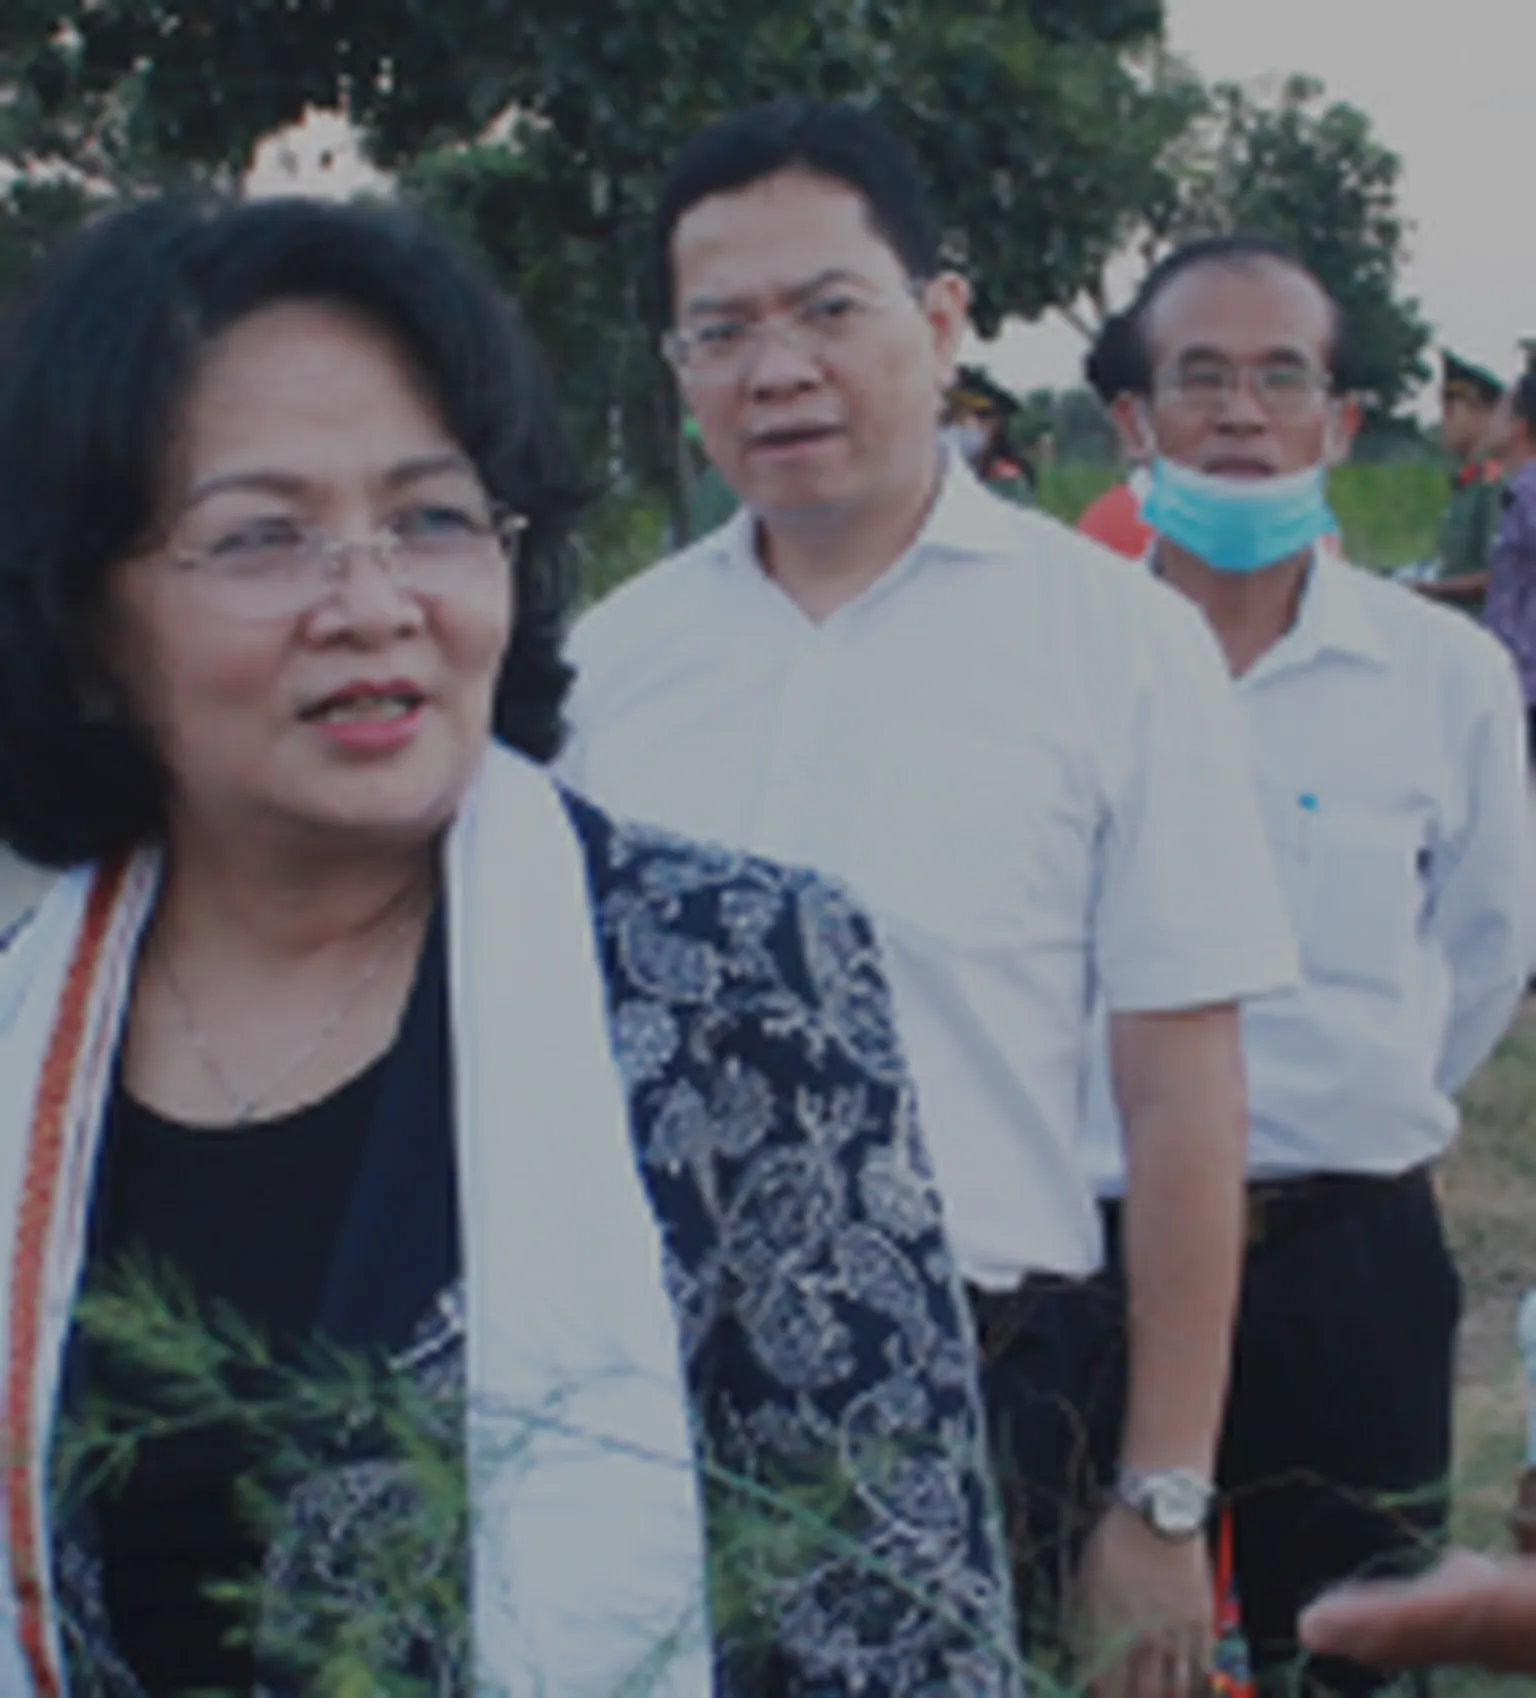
x,y
1114,519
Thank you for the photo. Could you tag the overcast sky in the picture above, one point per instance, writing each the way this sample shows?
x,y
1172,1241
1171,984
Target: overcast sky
x,y
1451,86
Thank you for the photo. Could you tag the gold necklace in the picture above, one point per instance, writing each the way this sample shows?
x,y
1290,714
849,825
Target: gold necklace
x,y
244,1106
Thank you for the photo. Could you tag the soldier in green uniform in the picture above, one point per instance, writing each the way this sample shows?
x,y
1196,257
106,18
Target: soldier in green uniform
x,y
977,420
1469,398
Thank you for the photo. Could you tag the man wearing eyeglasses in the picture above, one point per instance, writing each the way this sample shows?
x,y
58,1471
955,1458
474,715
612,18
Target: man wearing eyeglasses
x,y
1022,754
1387,748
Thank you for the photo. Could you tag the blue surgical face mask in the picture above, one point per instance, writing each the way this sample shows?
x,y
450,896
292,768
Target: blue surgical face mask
x,y
1238,524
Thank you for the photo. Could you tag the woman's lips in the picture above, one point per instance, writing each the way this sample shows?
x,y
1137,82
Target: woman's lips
x,y
382,732
369,718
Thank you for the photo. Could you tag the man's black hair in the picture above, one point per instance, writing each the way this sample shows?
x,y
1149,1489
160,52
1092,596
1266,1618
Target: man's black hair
x,y
93,374
1110,364
830,139
1120,360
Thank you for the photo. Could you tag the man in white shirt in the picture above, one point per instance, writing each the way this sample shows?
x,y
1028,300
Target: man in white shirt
x,y
1022,755
1387,747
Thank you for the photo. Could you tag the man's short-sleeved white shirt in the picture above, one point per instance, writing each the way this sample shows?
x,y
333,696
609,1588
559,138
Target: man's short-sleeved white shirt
x,y
1387,738
1022,755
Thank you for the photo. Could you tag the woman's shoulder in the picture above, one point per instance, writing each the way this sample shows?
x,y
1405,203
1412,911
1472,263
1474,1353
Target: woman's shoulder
x,y
777,951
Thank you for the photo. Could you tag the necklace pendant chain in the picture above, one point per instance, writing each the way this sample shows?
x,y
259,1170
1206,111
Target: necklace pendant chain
x,y
244,1106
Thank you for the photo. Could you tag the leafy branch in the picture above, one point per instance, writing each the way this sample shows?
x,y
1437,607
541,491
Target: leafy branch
x,y
395,1597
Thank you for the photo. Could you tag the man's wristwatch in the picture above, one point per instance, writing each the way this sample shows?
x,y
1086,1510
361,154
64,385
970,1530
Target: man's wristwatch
x,y
1174,1502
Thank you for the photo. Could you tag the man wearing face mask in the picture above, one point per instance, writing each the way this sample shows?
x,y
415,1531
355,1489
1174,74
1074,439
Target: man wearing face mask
x,y
1386,738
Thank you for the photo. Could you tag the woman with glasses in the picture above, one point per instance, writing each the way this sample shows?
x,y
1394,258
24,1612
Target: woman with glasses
x,y
397,1081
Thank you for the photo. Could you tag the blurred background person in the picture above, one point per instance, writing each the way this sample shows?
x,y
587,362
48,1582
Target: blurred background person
x,y
1469,400
1114,519
1511,606
977,419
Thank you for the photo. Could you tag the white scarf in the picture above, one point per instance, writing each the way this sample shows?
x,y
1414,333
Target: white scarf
x,y
587,1543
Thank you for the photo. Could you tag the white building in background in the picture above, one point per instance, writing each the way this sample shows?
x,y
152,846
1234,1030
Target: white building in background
x,y
319,156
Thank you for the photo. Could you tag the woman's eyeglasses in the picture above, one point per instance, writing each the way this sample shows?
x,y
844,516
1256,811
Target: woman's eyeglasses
x,y
276,568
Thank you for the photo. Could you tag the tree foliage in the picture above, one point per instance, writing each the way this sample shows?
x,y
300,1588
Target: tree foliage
x,y
1313,175
541,127
33,216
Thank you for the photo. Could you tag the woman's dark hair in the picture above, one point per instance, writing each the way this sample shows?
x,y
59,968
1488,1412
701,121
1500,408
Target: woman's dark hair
x,y
1120,360
825,138
93,373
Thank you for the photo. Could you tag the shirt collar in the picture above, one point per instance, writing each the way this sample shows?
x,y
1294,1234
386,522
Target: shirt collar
x,y
965,519
1333,619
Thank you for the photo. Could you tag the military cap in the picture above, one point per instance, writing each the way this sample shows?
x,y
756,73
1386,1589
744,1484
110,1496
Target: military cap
x,y
1461,380
976,392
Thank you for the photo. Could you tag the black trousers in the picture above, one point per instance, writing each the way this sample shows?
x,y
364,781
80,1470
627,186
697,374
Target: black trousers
x,y
1336,1446
1336,1450
1052,1370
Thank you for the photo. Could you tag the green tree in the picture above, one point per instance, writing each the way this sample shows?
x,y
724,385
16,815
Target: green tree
x,y
33,216
70,140
1314,175
541,128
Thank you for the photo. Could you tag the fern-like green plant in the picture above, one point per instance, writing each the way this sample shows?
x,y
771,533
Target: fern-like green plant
x,y
403,1577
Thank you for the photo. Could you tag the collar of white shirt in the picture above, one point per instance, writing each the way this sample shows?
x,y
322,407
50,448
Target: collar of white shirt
x,y
1333,619
965,519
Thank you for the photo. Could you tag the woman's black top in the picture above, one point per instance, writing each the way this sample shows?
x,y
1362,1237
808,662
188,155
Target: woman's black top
x,y
247,1218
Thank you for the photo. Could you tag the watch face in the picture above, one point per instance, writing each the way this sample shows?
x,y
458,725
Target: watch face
x,y
1177,1505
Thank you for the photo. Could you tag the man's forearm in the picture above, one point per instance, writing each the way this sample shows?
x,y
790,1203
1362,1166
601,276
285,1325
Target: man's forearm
x,y
1183,1244
1465,586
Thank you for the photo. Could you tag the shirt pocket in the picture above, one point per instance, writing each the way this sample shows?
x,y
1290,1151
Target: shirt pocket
x,y
1359,897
